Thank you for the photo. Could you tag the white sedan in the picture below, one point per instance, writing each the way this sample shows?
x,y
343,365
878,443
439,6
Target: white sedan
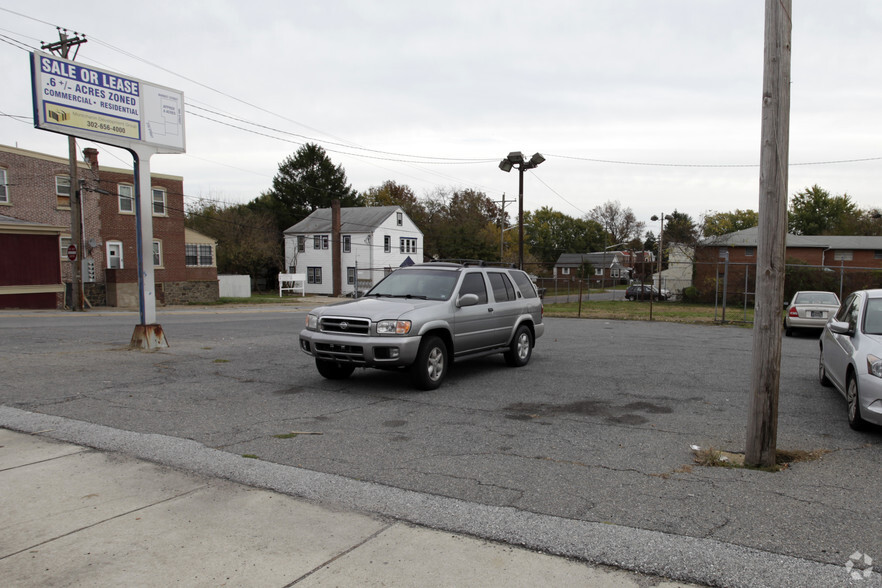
x,y
851,356
809,310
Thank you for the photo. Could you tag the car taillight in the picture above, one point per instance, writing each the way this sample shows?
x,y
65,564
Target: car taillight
x,y
793,312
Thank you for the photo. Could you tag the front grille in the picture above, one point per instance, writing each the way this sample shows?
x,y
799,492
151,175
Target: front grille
x,y
342,353
349,326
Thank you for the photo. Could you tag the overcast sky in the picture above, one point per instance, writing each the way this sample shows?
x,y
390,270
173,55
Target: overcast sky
x,y
606,90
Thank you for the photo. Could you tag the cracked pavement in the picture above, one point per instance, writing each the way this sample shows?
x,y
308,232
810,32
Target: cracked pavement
x,y
596,428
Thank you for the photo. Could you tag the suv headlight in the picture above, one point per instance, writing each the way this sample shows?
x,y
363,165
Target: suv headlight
x,y
874,366
312,322
393,327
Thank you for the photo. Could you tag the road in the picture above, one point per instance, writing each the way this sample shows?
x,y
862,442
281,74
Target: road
x,y
596,429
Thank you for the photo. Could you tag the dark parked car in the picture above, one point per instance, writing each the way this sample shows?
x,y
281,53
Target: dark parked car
x,y
644,292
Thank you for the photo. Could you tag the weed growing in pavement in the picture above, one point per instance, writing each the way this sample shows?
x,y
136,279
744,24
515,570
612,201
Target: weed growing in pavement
x,y
711,457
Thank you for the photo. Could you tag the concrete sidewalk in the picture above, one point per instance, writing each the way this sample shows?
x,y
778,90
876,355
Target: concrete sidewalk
x,y
75,516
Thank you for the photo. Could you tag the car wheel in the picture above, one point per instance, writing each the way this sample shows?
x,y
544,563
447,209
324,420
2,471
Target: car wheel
x,y
853,400
333,370
430,367
822,371
521,348
788,331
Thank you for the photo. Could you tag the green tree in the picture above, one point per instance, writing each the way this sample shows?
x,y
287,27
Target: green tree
x,y
460,225
550,233
306,181
815,212
248,241
391,193
680,228
721,223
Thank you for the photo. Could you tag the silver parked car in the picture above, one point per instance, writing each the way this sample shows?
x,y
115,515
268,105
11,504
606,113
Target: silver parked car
x,y
423,318
851,356
809,309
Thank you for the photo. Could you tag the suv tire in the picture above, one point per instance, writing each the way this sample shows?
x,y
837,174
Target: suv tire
x,y
333,370
430,367
521,348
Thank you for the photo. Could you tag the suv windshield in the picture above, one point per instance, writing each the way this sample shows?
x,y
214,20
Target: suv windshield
x,y
429,284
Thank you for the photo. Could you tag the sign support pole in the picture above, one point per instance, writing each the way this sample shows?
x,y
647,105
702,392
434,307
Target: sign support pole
x,y
148,334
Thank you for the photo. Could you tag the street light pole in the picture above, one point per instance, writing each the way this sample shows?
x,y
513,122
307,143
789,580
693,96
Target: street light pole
x,y
516,159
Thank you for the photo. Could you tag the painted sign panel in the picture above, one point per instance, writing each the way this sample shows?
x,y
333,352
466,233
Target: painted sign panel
x,y
107,107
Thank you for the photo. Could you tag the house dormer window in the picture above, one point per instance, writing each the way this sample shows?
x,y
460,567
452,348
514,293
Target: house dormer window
x,y
399,217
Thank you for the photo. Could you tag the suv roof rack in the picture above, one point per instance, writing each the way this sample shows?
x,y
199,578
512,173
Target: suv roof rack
x,y
474,262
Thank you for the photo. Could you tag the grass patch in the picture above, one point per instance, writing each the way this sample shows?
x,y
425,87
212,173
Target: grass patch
x,y
711,457
676,312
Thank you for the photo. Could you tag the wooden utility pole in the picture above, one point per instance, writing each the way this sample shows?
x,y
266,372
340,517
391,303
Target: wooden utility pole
x,y
762,425
62,47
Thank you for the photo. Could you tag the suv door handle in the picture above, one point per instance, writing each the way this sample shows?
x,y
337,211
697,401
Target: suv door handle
x,y
489,310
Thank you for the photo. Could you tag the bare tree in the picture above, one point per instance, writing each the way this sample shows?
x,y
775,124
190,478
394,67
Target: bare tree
x,y
619,223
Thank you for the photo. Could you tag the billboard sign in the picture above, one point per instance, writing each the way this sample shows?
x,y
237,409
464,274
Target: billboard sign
x,y
106,107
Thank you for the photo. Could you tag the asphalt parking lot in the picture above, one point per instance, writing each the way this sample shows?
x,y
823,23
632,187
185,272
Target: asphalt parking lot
x,y
596,429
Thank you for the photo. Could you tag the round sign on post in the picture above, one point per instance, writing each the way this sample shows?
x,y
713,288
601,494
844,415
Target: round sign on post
x,y
72,252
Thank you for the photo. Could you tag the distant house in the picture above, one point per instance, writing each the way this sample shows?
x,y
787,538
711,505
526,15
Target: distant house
x,y
373,242
678,275
608,266
36,188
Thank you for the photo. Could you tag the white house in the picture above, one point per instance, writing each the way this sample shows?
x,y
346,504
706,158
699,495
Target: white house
x,y
374,241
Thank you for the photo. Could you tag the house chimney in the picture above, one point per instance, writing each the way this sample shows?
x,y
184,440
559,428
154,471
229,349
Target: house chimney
x,y
90,154
336,246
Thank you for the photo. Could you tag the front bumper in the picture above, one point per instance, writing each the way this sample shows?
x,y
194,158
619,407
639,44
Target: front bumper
x,y
360,351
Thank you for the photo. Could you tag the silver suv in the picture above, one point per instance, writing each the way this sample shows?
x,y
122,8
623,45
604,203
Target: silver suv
x,y
425,316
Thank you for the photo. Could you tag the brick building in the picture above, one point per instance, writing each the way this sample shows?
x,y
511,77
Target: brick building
x,y
843,262
37,189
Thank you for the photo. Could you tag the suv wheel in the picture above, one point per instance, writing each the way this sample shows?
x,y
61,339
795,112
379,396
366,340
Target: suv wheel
x,y
333,370
521,348
430,367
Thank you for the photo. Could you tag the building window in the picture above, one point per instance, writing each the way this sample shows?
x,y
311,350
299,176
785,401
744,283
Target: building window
x,y
598,271
347,243
750,252
877,254
387,244
408,245
350,275
399,218
313,275
196,254
159,202
126,198
157,254
614,273
843,255
301,243
4,187
564,271
65,243
320,242
62,191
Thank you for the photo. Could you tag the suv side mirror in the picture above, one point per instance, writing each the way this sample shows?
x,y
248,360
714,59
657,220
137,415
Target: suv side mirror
x,y
467,300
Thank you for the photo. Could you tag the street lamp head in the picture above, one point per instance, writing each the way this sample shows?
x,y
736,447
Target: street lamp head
x,y
505,165
536,159
653,218
516,157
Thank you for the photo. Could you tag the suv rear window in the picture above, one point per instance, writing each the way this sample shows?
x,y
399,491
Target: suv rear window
x,y
502,287
524,284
